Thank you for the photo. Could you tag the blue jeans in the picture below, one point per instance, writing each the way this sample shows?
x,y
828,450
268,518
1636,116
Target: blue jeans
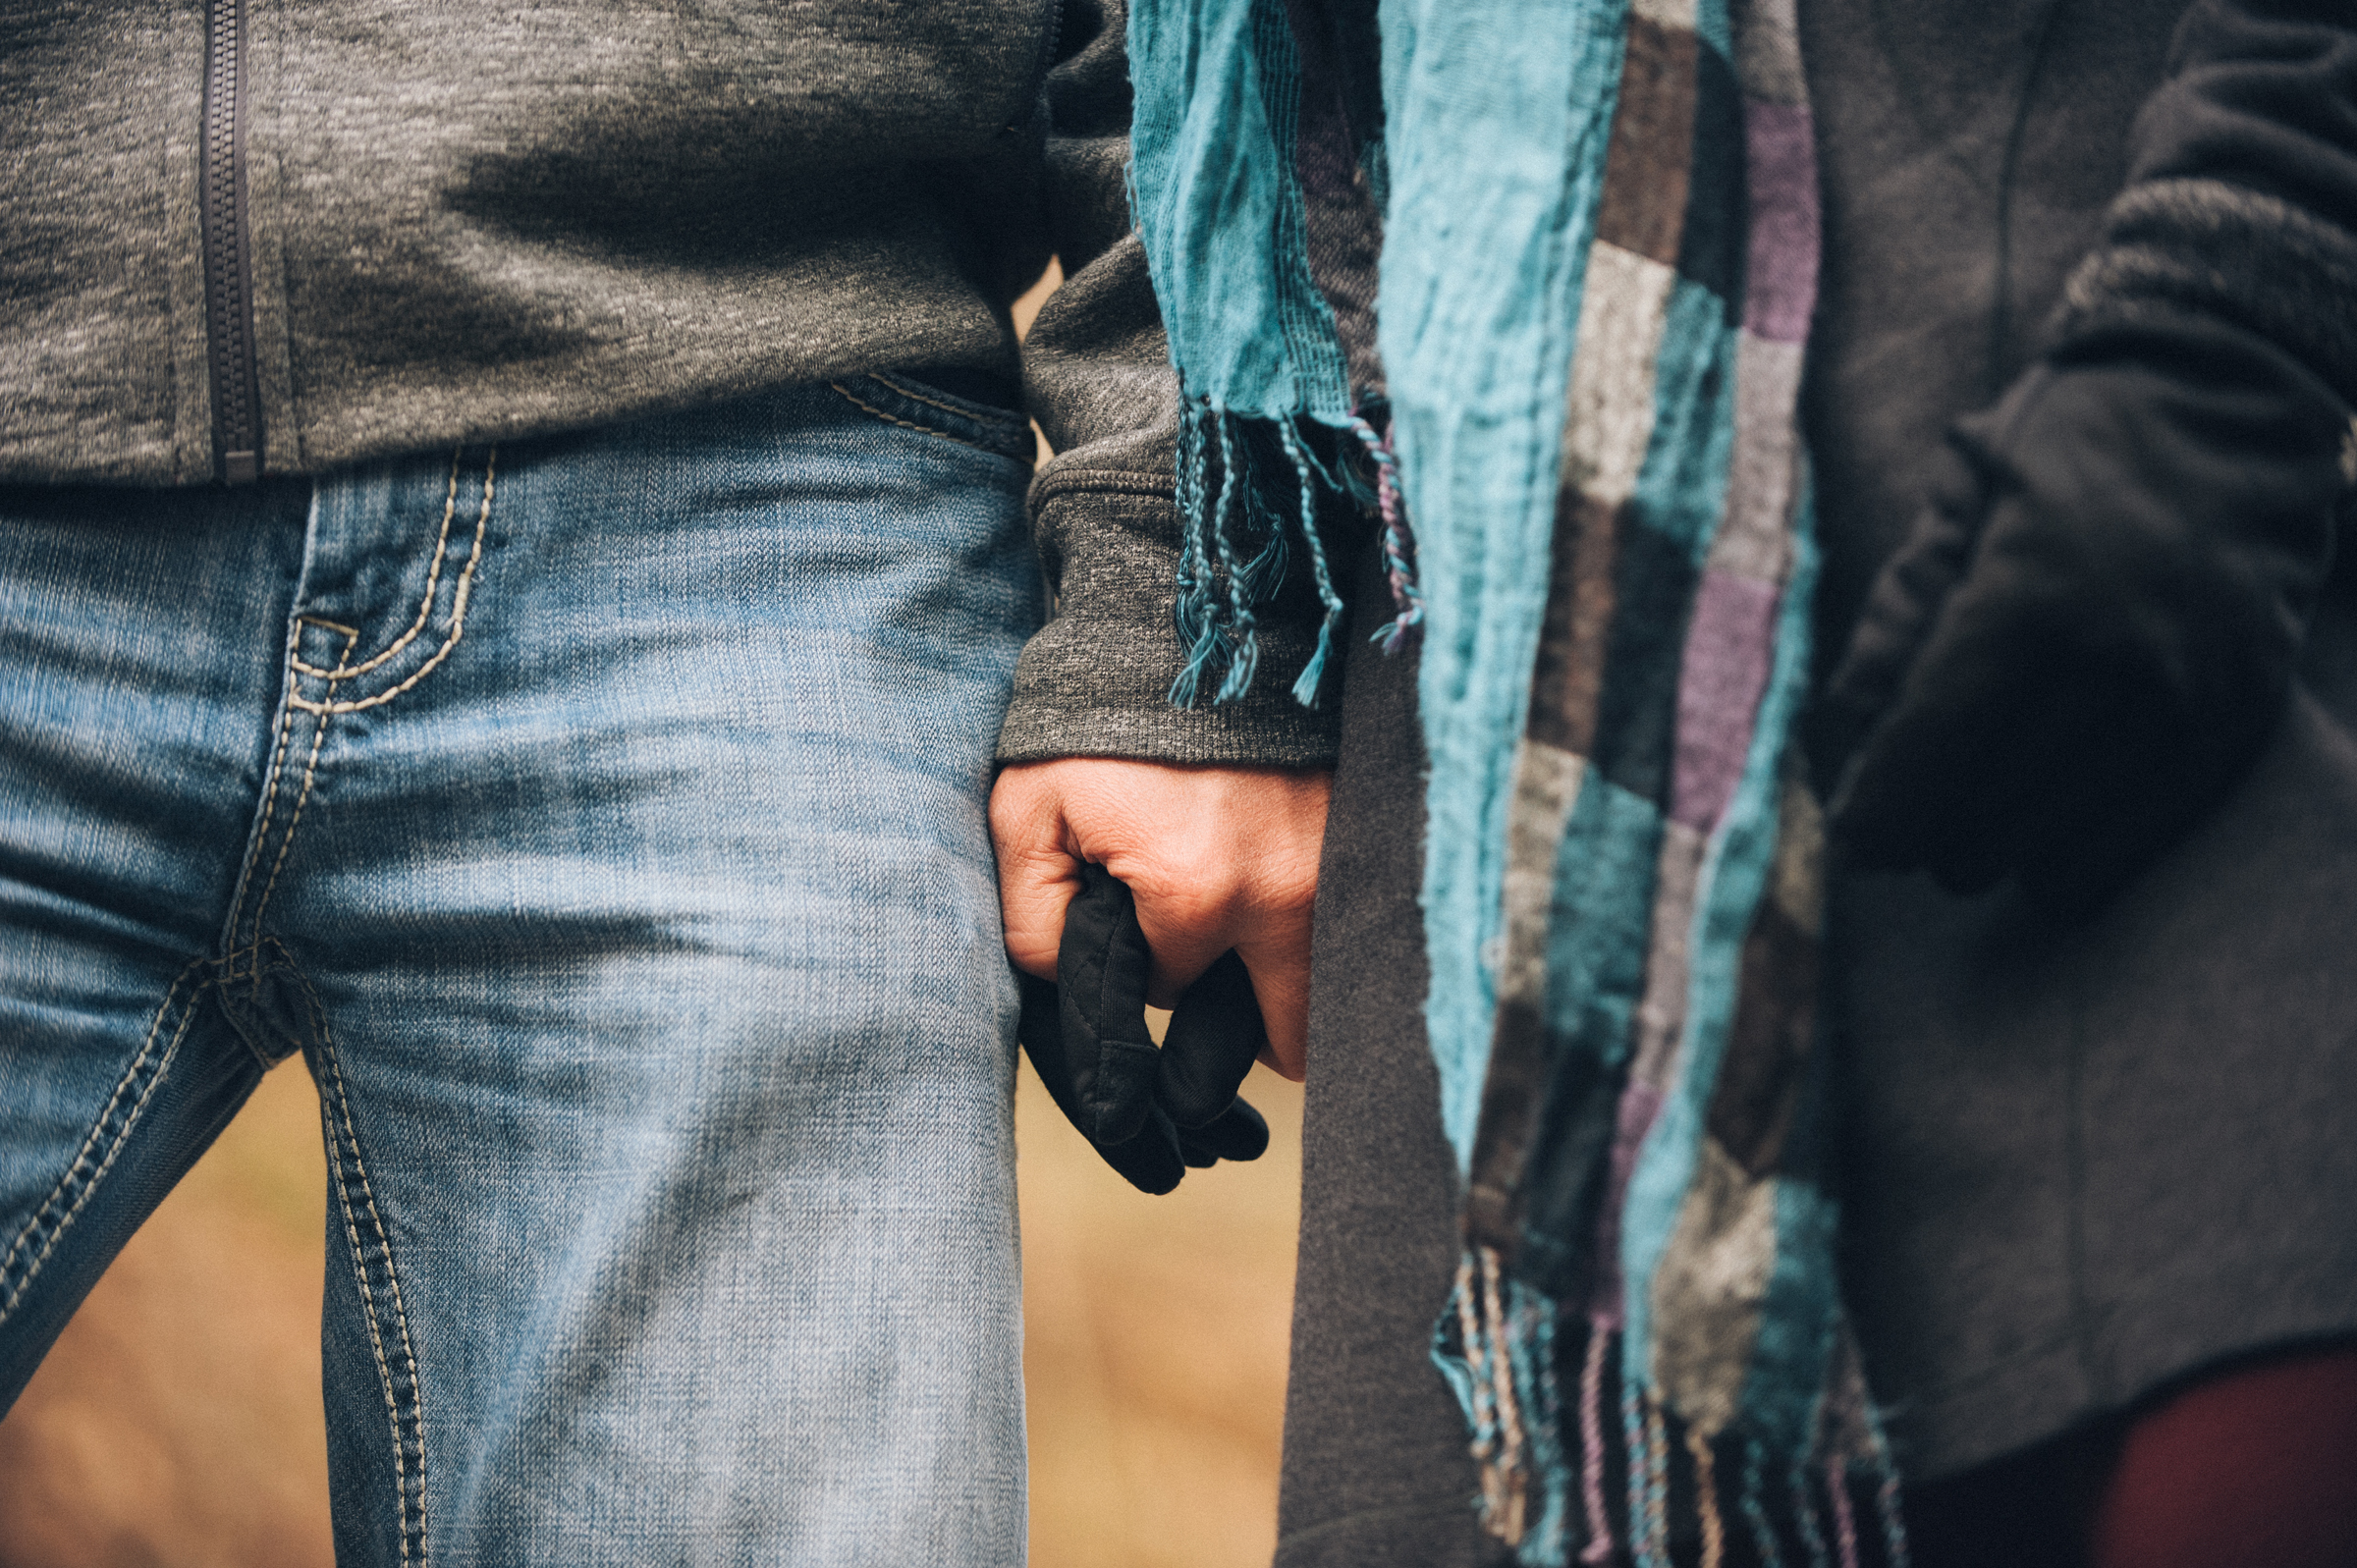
x,y
602,816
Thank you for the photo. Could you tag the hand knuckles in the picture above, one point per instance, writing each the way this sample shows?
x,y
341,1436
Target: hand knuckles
x,y
1188,908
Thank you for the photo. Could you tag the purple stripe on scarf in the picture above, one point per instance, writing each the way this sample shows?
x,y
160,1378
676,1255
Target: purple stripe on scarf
x,y
1640,1103
1780,287
1728,647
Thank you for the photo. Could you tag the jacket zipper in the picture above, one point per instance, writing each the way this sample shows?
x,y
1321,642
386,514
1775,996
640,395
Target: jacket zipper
x,y
221,214
1047,54
1029,107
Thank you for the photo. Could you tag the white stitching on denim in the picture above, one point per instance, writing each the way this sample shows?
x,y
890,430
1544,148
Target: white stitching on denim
x,y
360,1270
408,1491
261,833
82,1155
286,842
1009,421
909,424
425,609
279,962
457,618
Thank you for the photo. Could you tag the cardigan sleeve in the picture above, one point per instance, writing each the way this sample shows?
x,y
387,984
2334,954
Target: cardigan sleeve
x,y
1095,680
2240,207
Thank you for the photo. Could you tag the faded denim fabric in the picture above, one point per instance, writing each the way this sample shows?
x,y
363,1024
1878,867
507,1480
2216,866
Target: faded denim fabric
x,y
603,818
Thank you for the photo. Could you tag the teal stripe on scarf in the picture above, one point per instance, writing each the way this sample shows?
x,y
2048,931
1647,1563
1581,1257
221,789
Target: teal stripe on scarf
x,y
1682,487
1220,209
1499,115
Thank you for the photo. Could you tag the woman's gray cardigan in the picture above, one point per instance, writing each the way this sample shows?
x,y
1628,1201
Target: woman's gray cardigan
x,y
2083,1157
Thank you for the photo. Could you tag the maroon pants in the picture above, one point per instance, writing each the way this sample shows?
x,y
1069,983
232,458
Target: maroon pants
x,y
2251,1467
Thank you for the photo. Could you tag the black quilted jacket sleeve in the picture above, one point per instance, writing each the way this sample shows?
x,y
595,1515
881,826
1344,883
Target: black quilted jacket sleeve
x,y
2096,625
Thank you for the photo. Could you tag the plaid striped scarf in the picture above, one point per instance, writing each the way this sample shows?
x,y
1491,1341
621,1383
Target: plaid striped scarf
x,y
1593,225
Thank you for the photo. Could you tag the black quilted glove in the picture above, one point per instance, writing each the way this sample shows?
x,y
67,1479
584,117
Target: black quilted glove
x,y
2095,626
1150,1112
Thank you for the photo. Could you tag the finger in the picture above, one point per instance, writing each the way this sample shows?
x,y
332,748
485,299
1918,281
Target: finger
x,y
1278,963
1240,1133
1040,1028
1214,1036
1152,1161
1185,933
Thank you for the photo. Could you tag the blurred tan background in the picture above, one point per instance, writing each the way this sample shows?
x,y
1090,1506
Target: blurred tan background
x,y
178,1425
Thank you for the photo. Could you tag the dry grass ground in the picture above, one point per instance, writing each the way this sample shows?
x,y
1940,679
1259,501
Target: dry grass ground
x,y
178,1424
1155,1347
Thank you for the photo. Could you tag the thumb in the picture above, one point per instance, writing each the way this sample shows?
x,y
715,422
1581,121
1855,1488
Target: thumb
x,y
1038,874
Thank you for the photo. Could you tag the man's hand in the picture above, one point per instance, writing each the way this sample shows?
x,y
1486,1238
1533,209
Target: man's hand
x,y
1216,857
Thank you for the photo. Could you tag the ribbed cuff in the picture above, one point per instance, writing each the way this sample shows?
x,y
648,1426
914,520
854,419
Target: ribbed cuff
x,y
1096,679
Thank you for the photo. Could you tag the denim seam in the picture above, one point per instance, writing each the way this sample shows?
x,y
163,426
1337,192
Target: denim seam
x,y
74,1180
457,618
286,842
261,833
1012,424
425,609
241,1020
335,1106
229,959
283,753
910,424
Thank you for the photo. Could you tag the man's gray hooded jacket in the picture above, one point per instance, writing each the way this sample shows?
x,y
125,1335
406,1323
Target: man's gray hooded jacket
x,y
251,237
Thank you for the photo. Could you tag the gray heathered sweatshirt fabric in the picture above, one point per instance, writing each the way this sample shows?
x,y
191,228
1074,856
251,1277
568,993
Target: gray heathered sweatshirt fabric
x,y
482,223
479,223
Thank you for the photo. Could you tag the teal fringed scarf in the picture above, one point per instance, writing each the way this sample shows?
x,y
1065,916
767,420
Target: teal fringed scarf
x,y
1597,228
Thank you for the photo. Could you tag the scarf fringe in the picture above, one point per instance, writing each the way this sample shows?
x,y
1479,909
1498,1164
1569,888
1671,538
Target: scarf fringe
x,y
1305,689
1682,1492
1398,541
1218,587
1221,589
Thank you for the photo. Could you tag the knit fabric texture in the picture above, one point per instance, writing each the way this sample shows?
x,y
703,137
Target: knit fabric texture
x,y
1596,225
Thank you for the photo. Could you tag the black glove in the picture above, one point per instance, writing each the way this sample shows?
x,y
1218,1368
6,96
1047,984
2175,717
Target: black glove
x,y
2095,626
1150,1112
